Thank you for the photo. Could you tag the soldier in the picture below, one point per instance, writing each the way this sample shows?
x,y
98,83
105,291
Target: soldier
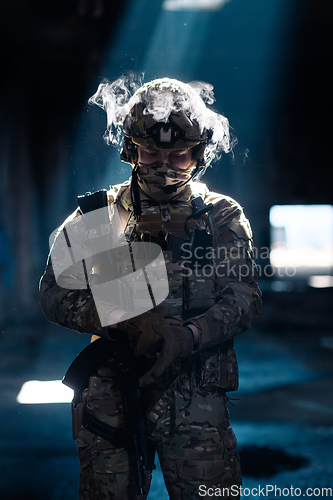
x,y
170,137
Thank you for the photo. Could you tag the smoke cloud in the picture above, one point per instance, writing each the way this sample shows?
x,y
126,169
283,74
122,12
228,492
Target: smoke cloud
x,y
113,97
192,100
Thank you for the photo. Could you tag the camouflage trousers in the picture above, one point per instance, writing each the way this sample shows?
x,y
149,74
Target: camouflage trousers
x,y
193,439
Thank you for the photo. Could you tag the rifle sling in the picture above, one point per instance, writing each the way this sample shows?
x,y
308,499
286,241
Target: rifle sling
x,y
119,437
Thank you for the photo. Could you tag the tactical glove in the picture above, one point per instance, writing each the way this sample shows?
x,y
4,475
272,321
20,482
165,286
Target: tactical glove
x,y
141,331
177,343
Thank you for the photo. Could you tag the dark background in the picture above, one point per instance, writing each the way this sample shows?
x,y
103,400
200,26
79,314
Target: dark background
x,y
270,63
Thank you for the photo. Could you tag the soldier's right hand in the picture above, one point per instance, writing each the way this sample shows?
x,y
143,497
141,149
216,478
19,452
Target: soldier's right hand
x,y
141,331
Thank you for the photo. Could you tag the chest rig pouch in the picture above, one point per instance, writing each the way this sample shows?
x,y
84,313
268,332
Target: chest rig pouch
x,y
184,238
198,265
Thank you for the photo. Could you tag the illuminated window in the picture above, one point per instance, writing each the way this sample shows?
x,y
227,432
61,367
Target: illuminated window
x,y
302,240
321,281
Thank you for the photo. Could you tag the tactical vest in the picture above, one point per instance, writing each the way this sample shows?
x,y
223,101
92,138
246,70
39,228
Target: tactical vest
x,y
191,277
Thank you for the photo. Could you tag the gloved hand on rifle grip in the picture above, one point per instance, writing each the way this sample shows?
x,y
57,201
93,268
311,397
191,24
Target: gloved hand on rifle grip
x,y
177,342
141,331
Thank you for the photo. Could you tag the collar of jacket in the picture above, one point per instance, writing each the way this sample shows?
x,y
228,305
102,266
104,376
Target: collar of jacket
x,y
191,190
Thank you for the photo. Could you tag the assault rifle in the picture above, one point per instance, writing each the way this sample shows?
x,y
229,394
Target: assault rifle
x,y
134,437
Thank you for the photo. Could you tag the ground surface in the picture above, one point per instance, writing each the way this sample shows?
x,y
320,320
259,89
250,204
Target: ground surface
x,y
283,419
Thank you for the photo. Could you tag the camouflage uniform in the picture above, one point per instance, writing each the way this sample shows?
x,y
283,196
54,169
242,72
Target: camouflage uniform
x,y
195,443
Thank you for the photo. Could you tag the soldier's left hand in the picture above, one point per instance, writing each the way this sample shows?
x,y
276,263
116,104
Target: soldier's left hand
x,y
141,331
177,343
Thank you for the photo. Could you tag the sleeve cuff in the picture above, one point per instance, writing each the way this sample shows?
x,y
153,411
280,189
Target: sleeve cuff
x,y
194,342
202,326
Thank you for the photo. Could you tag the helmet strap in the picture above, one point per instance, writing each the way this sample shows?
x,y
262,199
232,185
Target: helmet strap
x,y
135,194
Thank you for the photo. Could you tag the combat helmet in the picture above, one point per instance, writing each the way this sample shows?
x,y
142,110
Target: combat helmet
x,y
165,114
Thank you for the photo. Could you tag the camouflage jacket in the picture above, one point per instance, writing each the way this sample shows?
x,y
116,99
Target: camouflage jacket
x,y
222,300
